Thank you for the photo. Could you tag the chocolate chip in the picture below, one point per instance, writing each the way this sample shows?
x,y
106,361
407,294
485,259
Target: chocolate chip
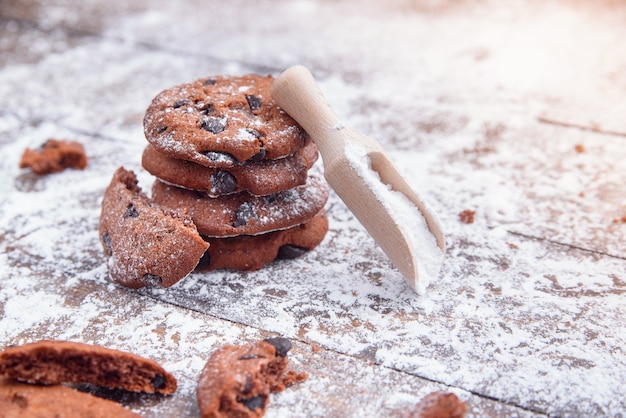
x,y
209,82
259,155
152,279
254,102
249,357
213,124
158,382
220,157
271,198
205,261
222,182
131,211
254,403
204,108
288,252
106,241
248,386
255,133
244,213
281,344
159,130
181,103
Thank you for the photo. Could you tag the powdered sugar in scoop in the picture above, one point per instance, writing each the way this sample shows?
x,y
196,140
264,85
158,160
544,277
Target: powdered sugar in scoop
x,y
428,257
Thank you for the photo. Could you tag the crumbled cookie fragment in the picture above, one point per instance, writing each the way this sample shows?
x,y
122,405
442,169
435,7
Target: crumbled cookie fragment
x,y
54,362
53,156
439,405
467,216
237,380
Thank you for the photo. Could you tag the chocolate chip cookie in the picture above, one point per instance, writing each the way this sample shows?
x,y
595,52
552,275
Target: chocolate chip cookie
x,y
252,252
237,380
259,178
243,213
146,245
221,122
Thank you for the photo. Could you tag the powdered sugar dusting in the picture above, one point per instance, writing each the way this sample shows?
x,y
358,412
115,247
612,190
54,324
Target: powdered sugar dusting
x,y
528,309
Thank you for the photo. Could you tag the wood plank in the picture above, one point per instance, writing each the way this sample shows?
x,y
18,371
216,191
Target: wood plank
x,y
484,107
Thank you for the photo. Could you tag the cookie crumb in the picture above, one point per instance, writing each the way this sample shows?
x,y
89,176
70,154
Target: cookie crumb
x,y
621,220
579,148
53,156
439,405
467,216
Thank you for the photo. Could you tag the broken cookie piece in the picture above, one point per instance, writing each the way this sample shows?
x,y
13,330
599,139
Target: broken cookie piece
x,y
237,380
21,400
53,156
54,362
146,245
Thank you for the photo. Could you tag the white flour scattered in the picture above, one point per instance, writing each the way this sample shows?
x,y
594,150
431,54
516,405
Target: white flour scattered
x,y
527,321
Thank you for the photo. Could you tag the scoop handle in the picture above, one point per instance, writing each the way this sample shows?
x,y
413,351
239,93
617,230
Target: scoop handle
x,y
297,93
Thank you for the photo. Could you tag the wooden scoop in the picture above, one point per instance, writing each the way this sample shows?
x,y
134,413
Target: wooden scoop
x,y
366,180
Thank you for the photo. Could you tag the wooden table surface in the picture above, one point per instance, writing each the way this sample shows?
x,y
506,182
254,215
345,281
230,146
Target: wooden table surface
x,y
515,110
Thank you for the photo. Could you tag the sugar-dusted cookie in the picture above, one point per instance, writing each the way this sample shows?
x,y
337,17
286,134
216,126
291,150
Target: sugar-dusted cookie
x,y
259,178
22,400
53,156
222,121
145,244
238,379
53,362
252,252
242,213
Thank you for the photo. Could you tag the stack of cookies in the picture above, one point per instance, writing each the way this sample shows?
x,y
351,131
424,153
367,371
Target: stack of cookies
x,y
225,154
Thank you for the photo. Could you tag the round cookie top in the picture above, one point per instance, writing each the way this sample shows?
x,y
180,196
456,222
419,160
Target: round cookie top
x,y
222,121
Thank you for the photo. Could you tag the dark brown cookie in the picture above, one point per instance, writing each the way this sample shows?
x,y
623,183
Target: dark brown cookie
x,y
21,400
54,362
145,244
243,213
258,178
53,156
222,121
252,252
237,380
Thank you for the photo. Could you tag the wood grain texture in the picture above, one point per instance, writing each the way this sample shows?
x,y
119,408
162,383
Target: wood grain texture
x,y
512,111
